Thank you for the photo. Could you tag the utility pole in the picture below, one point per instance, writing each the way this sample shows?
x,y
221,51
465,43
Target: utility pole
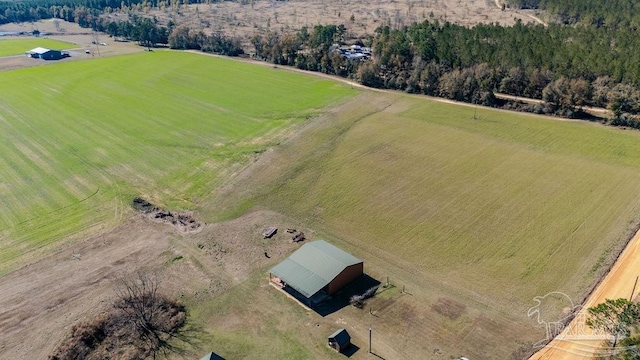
x,y
634,289
370,329
96,41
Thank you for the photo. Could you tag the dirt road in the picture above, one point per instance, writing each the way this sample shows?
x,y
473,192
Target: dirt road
x,y
619,282
533,17
595,111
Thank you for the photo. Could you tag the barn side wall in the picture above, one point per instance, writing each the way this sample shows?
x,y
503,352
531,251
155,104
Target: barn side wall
x,y
345,277
52,55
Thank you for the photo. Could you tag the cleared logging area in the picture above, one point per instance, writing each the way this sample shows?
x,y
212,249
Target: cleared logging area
x,y
81,139
478,210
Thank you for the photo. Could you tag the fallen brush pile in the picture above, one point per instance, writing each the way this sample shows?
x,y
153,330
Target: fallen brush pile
x,y
183,221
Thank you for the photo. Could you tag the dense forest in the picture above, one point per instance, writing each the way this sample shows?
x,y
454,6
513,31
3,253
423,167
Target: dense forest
x,y
611,14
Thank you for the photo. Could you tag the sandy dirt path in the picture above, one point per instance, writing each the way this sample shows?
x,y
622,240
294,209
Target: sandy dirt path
x,y
595,111
533,17
619,282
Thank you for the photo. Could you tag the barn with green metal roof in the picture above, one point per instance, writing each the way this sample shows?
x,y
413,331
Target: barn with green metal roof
x,y
315,270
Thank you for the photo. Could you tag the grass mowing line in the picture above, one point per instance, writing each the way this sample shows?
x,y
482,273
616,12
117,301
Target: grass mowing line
x,y
20,46
165,125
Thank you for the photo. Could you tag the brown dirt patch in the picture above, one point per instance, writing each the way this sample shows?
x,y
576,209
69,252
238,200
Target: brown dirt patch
x,y
40,302
449,308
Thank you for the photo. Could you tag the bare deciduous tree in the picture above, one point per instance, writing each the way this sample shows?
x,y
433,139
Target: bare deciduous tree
x,y
139,325
155,318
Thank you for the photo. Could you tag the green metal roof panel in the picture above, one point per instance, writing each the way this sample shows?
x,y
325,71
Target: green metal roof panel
x,y
297,276
313,266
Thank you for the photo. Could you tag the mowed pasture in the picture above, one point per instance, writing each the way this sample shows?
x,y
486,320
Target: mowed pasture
x,y
20,46
81,139
476,211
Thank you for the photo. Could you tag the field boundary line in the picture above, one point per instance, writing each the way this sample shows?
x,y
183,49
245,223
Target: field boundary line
x,y
387,91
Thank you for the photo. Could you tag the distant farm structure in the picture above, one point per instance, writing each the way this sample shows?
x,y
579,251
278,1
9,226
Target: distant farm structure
x,y
316,271
47,54
355,52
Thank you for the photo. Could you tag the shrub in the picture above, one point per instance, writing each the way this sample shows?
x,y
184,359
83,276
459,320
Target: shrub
x,y
359,300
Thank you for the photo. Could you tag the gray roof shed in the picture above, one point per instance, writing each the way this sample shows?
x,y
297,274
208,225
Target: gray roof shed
x,y
313,266
212,356
341,336
38,50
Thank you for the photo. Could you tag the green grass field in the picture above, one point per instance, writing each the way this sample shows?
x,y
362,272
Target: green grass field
x,y
81,139
506,192
476,215
19,46
489,212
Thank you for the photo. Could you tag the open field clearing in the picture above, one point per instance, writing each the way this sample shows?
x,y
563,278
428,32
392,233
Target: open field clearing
x,y
485,213
474,210
20,46
81,139
246,19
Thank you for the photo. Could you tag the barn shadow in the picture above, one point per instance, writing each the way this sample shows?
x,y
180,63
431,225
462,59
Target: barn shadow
x,y
330,304
350,351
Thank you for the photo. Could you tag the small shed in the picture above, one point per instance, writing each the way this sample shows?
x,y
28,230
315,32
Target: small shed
x,y
339,340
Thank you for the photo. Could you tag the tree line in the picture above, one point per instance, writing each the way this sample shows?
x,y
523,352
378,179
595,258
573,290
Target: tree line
x,y
184,38
149,33
566,67
34,10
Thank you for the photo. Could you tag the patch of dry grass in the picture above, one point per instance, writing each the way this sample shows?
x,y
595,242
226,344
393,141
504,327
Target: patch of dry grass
x,y
244,19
